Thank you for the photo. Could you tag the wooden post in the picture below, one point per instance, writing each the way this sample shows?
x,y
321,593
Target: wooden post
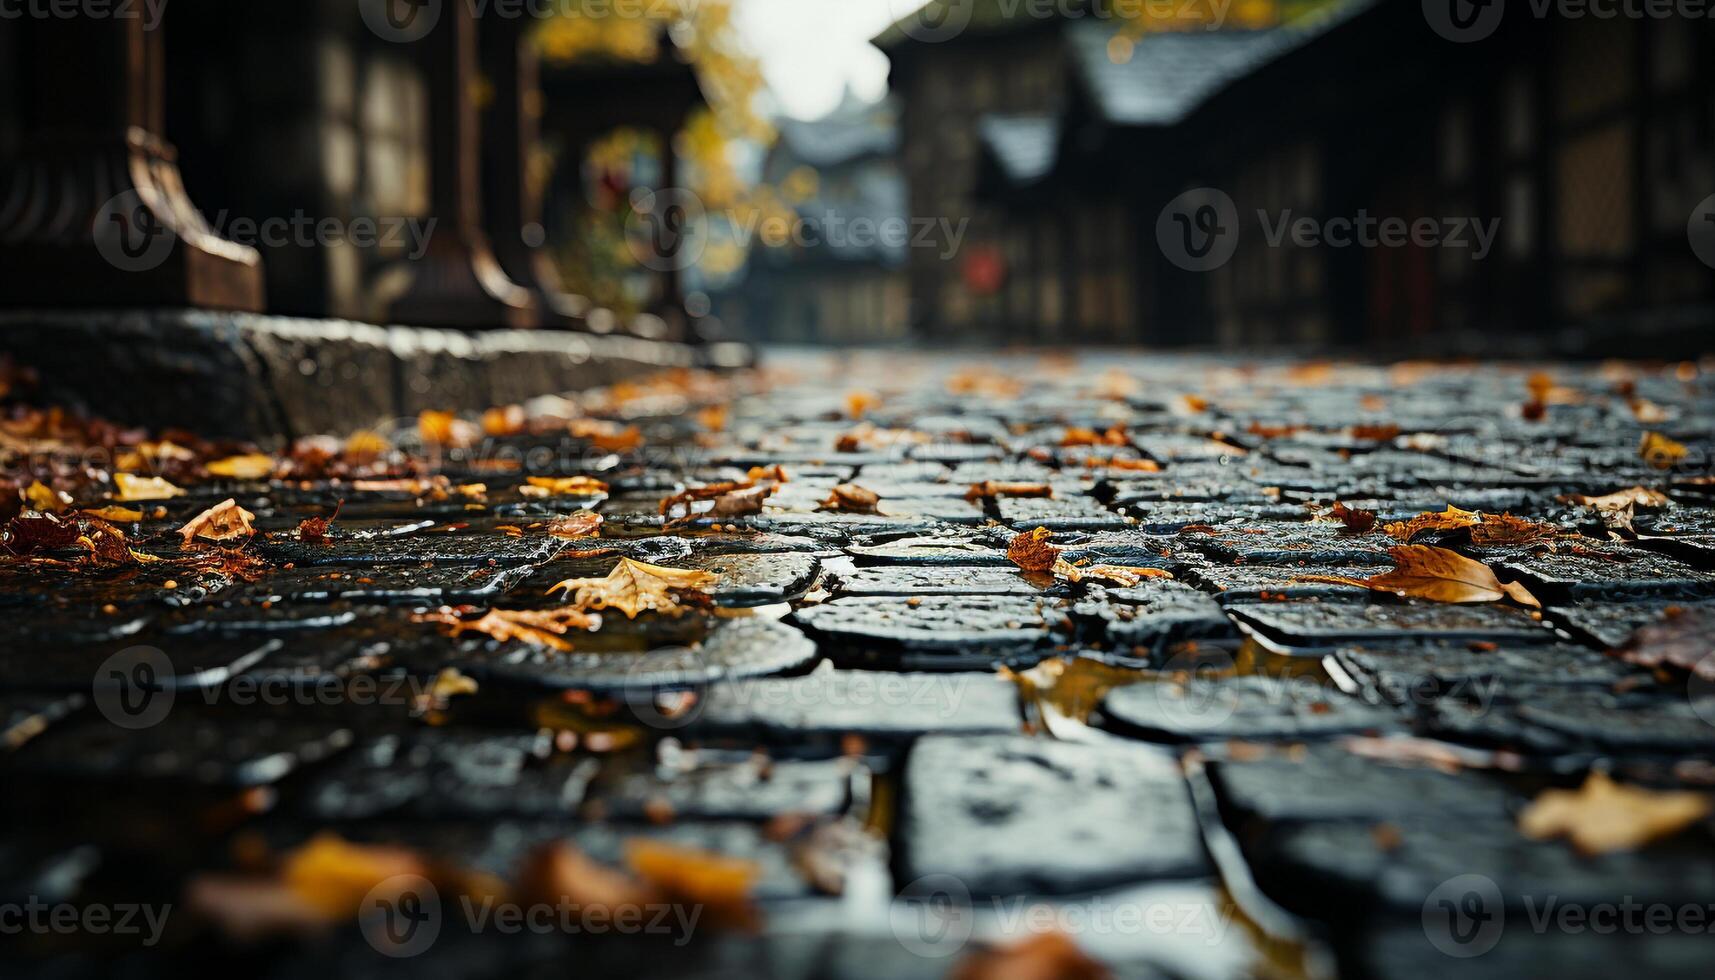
x,y
512,203
93,211
458,282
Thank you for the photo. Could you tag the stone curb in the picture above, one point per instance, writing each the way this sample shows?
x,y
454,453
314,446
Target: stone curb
x,y
264,377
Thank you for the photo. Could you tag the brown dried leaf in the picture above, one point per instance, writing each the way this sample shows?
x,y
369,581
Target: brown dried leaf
x,y
559,873
741,503
1356,520
1127,465
1031,551
538,628
849,498
634,587
1080,436
1680,641
776,473
713,491
1603,817
225,521
1124,576
993,489
1620,499
1427,572
1447,520
1507,529
1043,956
1375,432
29,533
583,524
315,529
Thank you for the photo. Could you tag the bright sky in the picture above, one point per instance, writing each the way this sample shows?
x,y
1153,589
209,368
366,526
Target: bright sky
x,y
812,49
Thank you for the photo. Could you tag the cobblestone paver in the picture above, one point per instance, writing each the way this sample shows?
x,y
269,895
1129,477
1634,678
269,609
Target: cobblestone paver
x,y
855,737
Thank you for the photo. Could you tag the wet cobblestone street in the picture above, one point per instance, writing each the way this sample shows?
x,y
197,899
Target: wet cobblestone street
x,y
880,666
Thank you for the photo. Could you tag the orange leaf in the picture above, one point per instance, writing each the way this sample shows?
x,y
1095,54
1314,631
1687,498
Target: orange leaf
x,y
1031,551
1661,452
992,489
224,521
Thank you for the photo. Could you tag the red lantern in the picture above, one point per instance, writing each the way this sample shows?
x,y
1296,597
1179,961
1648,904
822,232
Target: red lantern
x,y
984,270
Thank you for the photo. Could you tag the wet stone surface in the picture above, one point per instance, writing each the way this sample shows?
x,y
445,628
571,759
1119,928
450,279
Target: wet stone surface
x,y
869,714
972,800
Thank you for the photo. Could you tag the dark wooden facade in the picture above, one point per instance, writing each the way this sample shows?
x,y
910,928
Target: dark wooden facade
x,y
220,119
1590,141
944,89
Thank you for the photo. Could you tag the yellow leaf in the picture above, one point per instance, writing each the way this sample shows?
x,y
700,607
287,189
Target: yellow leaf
x,y
44,498
134,488
1661,452
254,466
116,515
562,486
332,875
719,884
1602,816
634,587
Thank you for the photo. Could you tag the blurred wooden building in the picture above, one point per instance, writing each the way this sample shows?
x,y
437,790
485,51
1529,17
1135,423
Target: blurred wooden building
x,y
1590,141
840,278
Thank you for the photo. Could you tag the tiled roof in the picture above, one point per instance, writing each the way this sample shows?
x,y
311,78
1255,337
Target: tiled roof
x,y
1171,73
1022,145
829,142
971,17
